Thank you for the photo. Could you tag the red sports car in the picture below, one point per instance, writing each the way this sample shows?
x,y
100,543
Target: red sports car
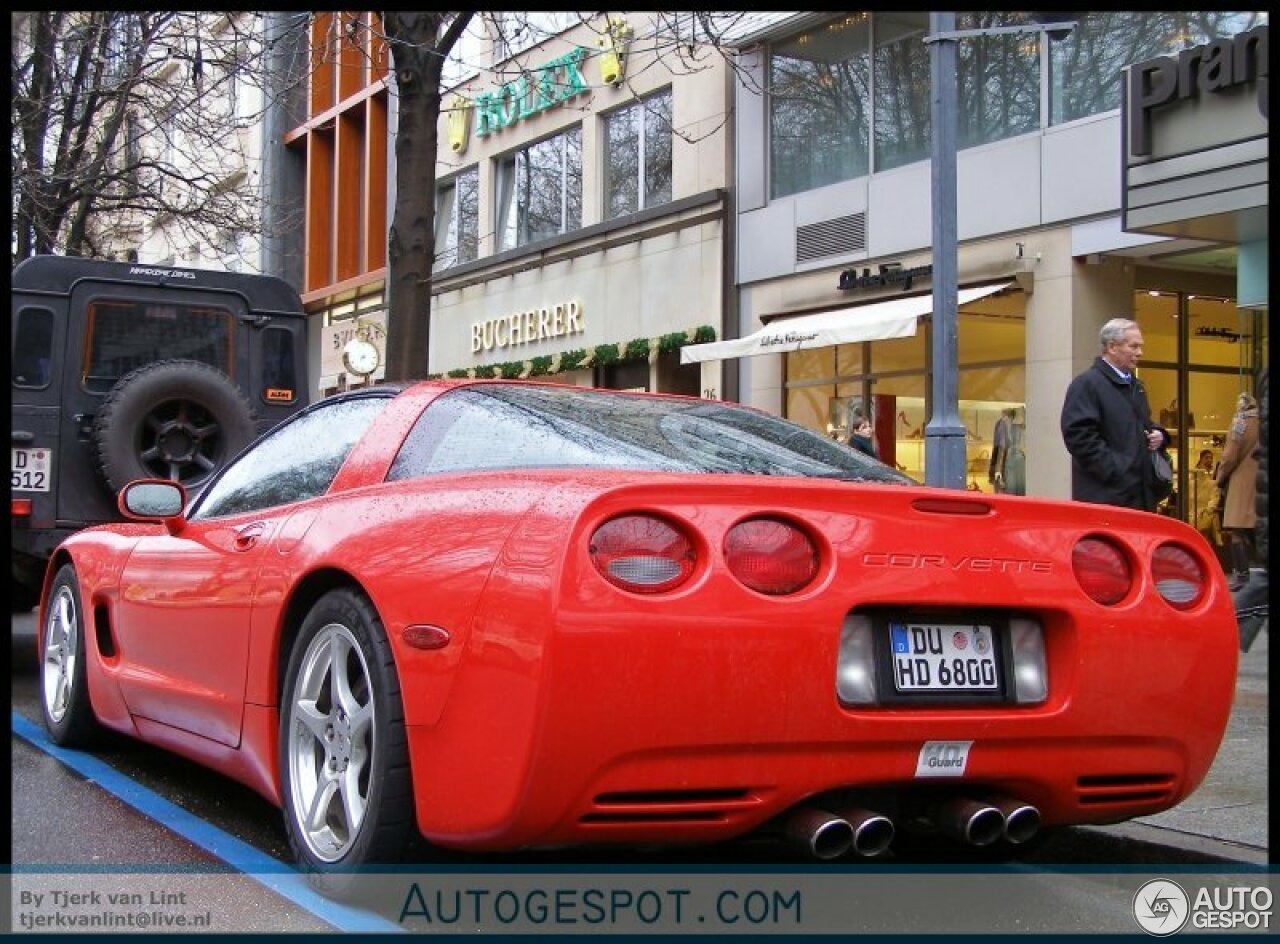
x,y
518,615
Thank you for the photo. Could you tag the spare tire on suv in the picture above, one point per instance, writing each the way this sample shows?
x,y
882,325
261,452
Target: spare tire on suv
x,y
180,420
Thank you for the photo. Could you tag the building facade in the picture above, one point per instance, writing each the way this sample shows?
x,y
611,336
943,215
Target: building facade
x,y
833,236
582,203
192,143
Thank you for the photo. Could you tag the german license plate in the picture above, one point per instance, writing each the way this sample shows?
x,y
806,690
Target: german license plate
x,y
943,657
29,471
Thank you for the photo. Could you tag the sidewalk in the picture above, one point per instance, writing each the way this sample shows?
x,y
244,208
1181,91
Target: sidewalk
x,y
1227,815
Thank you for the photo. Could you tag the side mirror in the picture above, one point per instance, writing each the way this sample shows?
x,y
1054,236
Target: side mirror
x,y
154,500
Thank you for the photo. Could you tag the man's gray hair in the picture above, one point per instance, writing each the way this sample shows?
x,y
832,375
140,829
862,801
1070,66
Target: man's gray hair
x,y
1114,330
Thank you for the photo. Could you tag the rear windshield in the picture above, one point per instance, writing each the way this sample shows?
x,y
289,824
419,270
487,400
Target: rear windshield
x,y
127,334
511,427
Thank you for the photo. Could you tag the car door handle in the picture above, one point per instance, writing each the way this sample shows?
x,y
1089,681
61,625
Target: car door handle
x,y
248,536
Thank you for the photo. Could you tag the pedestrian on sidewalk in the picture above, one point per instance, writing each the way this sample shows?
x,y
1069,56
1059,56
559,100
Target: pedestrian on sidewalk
x,y
1237,476
1106,425
1252,599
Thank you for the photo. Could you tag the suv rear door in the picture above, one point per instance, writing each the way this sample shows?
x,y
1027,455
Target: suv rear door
x,y
124,327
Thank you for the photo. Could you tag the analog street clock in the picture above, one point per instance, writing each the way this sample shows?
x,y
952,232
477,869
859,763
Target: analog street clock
x,y
360,357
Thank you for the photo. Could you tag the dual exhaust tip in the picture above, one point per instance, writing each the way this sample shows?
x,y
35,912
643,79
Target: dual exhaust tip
x,y
827,835
981,823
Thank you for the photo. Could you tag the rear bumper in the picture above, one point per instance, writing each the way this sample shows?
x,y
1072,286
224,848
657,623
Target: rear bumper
x,y
636,731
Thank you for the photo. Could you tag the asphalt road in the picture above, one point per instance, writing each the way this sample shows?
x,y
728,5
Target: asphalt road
x,y
82,812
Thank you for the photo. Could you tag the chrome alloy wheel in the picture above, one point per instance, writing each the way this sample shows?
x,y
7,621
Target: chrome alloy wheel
x,y
61,642
331,742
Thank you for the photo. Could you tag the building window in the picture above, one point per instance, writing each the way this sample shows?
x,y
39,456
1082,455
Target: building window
x,y
820,106
540,190
458,219
997,80
902,90
1086,66
637,172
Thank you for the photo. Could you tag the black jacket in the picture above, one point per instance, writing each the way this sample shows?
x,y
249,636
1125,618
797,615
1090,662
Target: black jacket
x,y
1104,419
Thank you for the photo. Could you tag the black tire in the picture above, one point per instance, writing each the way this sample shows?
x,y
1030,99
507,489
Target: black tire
x,y
64,689
178,419
321,741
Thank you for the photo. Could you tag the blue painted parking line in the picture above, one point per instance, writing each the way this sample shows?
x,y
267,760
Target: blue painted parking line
x,y
255,864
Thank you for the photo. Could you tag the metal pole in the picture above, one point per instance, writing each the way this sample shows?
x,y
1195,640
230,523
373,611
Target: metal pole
x,y
944,455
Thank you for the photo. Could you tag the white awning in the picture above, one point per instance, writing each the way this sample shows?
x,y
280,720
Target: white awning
x,y
874,321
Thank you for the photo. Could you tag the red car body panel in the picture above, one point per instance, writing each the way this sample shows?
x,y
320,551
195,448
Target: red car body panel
x,y
564,709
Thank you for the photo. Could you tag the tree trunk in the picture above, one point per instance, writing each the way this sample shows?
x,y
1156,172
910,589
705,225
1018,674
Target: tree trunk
x,y
418,52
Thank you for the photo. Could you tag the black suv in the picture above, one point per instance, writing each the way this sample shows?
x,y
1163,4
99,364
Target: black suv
x,y
124,371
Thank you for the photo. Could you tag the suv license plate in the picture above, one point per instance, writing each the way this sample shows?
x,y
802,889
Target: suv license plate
x,y
29,471
943,657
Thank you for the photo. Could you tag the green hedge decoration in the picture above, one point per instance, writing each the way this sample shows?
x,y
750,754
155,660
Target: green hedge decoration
x,y
637,349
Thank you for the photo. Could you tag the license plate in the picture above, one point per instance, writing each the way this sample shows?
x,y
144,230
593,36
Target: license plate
x,y
29,471
943,657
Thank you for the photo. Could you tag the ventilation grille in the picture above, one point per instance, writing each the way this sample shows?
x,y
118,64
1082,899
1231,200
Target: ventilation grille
x,y
670,806
1124,788
836,237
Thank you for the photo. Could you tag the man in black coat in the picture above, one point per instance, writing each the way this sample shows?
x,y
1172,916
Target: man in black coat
x,y
1106,424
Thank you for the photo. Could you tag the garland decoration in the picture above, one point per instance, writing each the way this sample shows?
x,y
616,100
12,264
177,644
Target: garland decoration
x,y
635,351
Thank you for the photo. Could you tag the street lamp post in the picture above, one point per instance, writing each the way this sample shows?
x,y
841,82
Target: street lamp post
x,y
945,455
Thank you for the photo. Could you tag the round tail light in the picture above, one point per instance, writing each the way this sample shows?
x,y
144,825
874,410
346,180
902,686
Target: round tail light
x,y
1178,575
1102,570
642,554
771,556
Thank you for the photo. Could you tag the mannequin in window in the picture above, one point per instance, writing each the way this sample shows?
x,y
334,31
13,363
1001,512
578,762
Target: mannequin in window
x,y
1008,469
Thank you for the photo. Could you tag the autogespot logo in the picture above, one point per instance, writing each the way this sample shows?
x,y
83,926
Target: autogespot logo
x,y
1161,907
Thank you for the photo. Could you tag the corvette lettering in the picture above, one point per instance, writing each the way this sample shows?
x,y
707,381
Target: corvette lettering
x,y
986,565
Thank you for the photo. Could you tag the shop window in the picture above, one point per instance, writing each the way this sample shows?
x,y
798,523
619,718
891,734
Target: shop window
x,y
1086,67
540,190
458,219
637,172
889,381
820,106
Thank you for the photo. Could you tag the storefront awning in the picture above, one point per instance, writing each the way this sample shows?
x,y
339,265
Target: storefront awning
x,y
874,321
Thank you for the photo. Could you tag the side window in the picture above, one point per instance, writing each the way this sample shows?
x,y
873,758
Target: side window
x,y
33,348
278,371
296,461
